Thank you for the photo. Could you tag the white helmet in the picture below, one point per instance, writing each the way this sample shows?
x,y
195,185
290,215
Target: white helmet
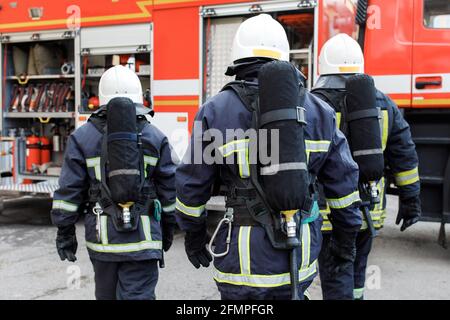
x,y
260,36
119,81
341,55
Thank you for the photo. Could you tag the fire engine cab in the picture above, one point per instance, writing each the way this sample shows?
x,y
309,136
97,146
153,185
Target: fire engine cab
x,y
53,55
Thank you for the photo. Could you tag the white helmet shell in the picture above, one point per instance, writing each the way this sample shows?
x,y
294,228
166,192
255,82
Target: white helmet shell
x,y
260,36
341,55
119,81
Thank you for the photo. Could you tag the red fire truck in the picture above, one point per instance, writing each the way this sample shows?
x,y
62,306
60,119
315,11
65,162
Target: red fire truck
x,y
180,50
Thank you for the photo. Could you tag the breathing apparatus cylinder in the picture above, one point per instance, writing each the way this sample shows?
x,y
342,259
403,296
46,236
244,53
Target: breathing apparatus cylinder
x,y
364,128
281,112
124,171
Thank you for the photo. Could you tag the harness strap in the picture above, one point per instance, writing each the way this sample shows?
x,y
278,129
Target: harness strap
x,y
362,114
293,113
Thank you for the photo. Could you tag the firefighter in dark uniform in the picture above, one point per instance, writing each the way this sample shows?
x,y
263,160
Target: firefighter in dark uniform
x,y
340,58
252,268
125,263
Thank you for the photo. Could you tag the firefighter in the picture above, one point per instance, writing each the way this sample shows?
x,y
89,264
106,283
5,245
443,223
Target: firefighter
x,y
340,58
125,263
251,268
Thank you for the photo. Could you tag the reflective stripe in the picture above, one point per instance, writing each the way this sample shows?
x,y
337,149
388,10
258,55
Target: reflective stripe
x,y
338,120
241,148
384,128
344,202
367,152
358,293
124,172
126,247
95,163
263,281
306,246
317,145
146,227
64,205
152,161
244,249
275,168
190,211
406,177
104,229
169,208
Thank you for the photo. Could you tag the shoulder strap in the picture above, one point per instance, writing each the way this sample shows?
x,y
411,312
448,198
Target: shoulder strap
x,y
246,91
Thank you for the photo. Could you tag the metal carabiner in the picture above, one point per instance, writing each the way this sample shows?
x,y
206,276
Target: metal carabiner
x,y
228,218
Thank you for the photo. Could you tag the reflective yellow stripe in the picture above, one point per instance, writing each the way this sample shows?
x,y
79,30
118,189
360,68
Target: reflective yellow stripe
x,y
406,177
358,293
317,145
104,229
190,211
338,120
241,148
149,161
64,205
306,246
244,249
266,53
146,227
94,163
384,128
169,208
340,203
125,247
263,281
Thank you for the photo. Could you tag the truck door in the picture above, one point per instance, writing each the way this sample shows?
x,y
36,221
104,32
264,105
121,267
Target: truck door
x,y
431,52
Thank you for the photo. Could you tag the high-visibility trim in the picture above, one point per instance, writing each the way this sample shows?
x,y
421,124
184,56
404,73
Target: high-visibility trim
x,y
124,172
169,208
64,205
149,161
384,128
275,168
367,152
340,203
317,145
338,120
104,229
408,177
190,211
350,69
244,249
358,293
266,53
263,281
125,247
152,161
146,227
241,148
306,246
95,163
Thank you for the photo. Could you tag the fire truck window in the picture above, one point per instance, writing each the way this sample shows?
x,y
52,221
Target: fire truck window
x,y
436,14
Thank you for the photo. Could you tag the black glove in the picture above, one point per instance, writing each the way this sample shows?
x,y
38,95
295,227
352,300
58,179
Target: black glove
x,y
168,225
66,243
195,245
409,211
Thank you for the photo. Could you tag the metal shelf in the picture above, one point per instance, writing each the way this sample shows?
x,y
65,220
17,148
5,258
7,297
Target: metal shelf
x,y
39,177
94,76
44,77
25,115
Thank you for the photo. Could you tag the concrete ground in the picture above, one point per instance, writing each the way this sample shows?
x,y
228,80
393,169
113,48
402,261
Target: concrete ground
x,y
403,265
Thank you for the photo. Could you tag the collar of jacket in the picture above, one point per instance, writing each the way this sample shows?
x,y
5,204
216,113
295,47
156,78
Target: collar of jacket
x,y
333,81
141,110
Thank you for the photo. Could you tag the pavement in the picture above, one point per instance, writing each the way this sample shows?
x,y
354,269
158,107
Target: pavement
x,y
402,265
